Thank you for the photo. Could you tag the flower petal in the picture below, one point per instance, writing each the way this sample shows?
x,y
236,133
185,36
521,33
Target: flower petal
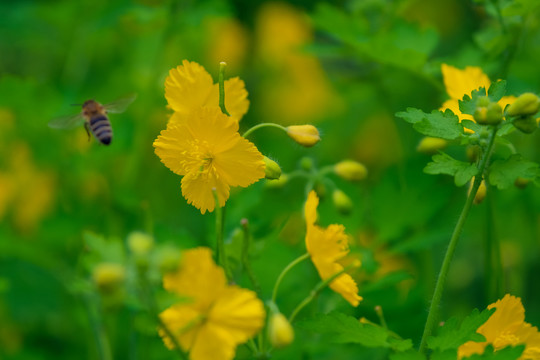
x,y
188,87
241,164
460,82
198,192
212,343
178,319
171,145
236,101
310,208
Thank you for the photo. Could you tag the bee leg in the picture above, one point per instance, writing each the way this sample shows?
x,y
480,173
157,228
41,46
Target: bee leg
x,y
86,127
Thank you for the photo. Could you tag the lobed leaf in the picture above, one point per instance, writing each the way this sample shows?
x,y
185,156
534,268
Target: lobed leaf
x,y
508,353
451,335
445,164
503,173
497,90
409,355
444,125
341,328
467,105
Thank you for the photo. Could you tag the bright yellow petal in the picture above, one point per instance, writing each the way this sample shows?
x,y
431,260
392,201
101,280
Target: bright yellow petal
x,y
509,315
179,320
460,82
471,348
310,209
506,100
198,192
241,164
236,101
212,343
171,145
188,87
198,277
239,313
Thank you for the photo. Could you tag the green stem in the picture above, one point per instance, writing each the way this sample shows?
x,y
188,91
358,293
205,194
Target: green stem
x,y
320,286
245,256
102,342
220,243
489,266
439,287
285,271
258,126
152,307
221,80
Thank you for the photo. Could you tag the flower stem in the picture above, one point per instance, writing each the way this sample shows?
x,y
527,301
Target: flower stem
x,y
439,287
285,271
320,286
245,256
221,79
220,244
102,342
258,126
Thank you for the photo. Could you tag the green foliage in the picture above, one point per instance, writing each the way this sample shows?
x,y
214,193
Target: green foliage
x,y
508,353
445,164
340,328
408,355
453,334
503,173
444,125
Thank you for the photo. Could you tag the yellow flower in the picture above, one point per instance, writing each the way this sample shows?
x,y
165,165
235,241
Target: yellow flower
x,y
326,247
190,86
506,327
217,317
208,151
462,82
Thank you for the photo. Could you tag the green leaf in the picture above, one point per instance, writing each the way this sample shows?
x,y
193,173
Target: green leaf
x,y
341,328
451,335
508,353
409,355
412,115
467,105
503,173
497,90
450,354
445,164
439,124
469,124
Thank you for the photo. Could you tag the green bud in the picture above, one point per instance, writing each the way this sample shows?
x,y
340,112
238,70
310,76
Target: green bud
x,y
483,101
108,277
473,153
521,183
306,163
342,202
525,104
480,115
494,114
280,331
350,170
277,183
320,189
431,145
140,243
526,124
272,171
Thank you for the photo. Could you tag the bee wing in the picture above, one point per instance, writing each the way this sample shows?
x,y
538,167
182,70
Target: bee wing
x,y
120,105
66,122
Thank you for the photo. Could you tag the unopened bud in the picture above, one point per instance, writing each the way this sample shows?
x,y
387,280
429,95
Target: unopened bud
x,y
483,101
272,171
480,194
526,124
306,163
305,135
277,183
431,145
350,170
108,277
140,243
521,183
480,115
168,259
494,114
342,202
320,189
525,104
473,152
280,331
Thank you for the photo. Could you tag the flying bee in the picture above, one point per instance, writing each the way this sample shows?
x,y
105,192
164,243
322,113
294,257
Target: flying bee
x,y
94,117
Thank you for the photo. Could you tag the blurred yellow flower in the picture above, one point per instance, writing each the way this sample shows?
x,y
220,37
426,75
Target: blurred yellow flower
x,y
228,41
206,148
217,317
462,82
326,247
506,327
190,86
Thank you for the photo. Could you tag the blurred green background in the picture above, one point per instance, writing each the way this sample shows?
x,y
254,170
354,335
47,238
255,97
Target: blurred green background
x,y
344,66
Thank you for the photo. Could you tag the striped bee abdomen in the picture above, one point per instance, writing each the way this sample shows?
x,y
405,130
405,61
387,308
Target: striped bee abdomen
x,y
101,128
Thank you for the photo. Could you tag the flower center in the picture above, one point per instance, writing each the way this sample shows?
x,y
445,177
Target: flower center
x,y
198,160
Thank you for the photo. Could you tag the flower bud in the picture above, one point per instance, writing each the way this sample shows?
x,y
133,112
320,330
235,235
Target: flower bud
x,y
342,202
305,135
306,163
473,153
350,170
140,243
480,115
480,194
431,145
494,114
277,183
526,124
272,171
521,183
483,101
108,277
280,331
525,104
